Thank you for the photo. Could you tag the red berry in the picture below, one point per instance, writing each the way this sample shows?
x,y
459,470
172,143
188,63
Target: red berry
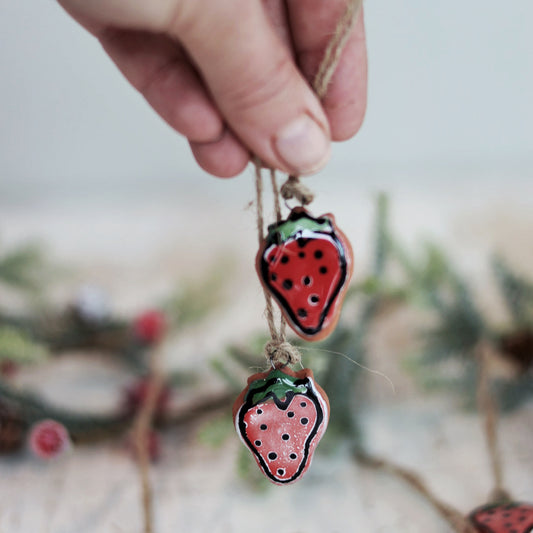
x,y
150,326
49,439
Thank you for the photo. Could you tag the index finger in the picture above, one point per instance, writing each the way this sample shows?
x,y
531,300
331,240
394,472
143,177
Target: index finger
x,y
313,23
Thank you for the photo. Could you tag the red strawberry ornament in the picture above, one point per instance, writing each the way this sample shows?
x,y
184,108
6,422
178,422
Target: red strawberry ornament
x,y
281,416
503,518
306,264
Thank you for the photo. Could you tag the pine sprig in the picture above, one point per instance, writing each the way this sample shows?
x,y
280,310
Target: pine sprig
x,y
24,268
516,292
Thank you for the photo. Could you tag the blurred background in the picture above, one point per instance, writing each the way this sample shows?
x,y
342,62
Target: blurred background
x,y
117,201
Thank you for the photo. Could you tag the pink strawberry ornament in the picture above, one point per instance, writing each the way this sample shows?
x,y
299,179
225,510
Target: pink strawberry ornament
x,y
281,416
503,518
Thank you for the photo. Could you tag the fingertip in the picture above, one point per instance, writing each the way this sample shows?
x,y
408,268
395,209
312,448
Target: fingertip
x,y
224,158
347,120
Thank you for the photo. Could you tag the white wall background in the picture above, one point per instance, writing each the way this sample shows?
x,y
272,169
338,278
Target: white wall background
x,y
451,87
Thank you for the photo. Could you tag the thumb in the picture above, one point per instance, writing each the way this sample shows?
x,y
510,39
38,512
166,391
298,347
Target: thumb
x,y
254,82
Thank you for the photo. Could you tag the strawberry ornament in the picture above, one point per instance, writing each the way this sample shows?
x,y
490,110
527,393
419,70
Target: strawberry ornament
x,y
503,518
281,416
306,264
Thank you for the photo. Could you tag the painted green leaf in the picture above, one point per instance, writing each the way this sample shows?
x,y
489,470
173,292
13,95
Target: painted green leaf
x,y
277,383
285,230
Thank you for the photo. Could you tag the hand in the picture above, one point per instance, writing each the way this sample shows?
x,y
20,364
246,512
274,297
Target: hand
x,y
233,75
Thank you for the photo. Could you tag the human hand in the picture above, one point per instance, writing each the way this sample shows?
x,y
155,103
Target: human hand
x,y
233,75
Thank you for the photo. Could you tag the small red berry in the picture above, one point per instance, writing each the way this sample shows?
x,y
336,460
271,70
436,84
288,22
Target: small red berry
x,y
150,327
48,439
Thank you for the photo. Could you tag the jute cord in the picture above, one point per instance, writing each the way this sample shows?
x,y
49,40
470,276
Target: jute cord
x,y
278,351
141,435
457,521
293,188
489,412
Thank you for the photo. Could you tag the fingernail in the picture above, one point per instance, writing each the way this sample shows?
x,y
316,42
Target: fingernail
x,y
303,145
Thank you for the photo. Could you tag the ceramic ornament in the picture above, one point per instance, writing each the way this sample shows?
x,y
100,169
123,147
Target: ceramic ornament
x,y
281,416
503,518
306,264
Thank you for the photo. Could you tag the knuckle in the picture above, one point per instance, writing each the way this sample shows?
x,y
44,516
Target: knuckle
x,y
259,88
157,77
183,18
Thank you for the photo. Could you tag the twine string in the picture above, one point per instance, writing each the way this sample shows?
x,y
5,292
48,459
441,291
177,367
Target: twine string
x,y
277,210
458,522
141,434
489,412
269,309
277,350
293,188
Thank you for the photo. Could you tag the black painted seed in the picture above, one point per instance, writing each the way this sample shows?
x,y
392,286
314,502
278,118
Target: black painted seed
x,y
323,270
285,259
285,436
290,414
281,471
259,411
318,254
314,299
306,280
302,313
293,456
263,427
287,284
304,421
303,404
272,456
257,443
302,242
301,254
274,276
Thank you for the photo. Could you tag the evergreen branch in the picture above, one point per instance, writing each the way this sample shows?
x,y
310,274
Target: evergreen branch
x,y
517,293
23,268
80,426
17,346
